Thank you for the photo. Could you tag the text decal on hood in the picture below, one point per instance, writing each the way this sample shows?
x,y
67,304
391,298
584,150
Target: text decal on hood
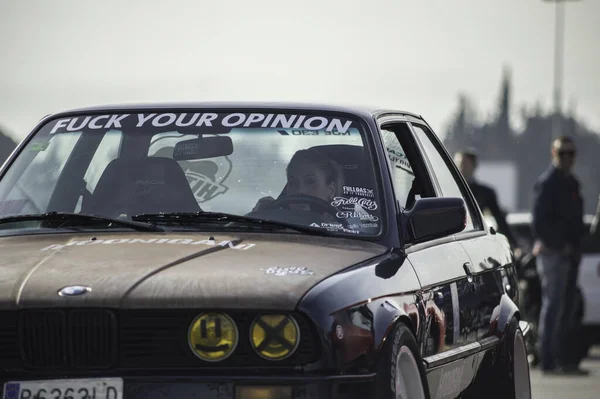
x,y
180,241
287,271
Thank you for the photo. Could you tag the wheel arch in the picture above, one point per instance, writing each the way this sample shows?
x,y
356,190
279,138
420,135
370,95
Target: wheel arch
x,y
386,360
389,313
503,313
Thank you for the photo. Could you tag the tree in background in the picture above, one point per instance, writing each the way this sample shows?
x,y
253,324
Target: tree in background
x,y
462,126
529,149
7,145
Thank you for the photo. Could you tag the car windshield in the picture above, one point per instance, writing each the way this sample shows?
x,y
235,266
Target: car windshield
x,y
300,168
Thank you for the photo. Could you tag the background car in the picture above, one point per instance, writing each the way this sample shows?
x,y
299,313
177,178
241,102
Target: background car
x,y
588,283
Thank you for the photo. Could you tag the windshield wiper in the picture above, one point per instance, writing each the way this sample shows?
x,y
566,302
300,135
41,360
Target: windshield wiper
x,y
198,217
65,217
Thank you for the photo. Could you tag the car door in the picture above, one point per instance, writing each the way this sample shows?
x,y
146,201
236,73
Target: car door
x,y
449,301
489,265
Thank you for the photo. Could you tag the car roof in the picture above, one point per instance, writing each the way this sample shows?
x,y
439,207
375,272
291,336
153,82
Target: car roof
x,y
360,110
525,218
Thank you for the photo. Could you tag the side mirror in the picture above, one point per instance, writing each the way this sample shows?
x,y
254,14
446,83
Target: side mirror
x,y
436,217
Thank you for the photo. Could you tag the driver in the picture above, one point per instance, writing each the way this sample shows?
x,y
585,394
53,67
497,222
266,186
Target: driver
x,y
310,173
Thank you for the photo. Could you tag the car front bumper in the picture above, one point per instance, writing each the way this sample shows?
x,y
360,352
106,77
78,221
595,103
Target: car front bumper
x,y
194,387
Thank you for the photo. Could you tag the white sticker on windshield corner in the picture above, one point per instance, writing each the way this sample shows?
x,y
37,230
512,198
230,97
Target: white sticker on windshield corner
x,y
455,312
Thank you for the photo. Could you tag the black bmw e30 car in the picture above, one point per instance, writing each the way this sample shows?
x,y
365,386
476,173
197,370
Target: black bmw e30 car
x,y
249,250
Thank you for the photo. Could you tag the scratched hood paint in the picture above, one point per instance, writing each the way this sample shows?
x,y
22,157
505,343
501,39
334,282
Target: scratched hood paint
x,y
172,270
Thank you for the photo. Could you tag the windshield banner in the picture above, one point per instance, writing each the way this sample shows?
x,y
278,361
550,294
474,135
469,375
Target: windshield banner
x,y
220,122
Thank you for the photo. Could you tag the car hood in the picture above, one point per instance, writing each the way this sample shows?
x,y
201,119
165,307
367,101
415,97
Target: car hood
x,y
168,270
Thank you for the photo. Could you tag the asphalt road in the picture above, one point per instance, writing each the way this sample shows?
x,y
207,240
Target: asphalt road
x,y
560,387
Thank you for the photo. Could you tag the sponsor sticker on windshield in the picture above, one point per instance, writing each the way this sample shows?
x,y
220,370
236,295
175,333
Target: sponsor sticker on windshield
x,y
352,203
357,203
308,132
39,146
360,191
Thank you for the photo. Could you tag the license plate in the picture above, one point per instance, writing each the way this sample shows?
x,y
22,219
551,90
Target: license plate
x,y
89,388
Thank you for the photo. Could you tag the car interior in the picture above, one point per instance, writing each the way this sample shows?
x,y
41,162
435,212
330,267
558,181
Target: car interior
x,y
146,183
353,161
135,186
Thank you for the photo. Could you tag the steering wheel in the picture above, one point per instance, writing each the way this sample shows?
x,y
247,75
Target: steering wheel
x,y
316,205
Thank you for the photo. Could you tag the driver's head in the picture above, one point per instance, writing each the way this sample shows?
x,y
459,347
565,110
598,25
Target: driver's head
x,y
311,173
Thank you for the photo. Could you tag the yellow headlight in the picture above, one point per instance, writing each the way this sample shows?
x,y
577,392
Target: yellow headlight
x,y
213,336
274,336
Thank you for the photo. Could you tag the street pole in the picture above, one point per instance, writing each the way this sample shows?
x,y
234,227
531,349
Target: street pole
x,y
559,38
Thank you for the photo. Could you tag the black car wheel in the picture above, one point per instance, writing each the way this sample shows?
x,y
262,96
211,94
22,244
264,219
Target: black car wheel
x,y
529,305
512,368
400,370
505,374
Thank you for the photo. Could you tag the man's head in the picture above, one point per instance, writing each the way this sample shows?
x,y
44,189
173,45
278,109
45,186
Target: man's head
x,y
466,161
563,153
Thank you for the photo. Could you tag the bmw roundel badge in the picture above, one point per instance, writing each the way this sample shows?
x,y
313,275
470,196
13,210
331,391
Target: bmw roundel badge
x,y
74,290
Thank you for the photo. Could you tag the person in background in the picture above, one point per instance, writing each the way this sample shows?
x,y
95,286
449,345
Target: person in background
x,y
557,228
486,197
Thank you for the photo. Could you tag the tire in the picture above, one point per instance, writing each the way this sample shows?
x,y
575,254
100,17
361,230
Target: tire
x,y
512,368
400,369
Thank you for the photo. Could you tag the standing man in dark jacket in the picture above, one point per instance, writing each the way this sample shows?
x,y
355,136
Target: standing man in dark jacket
x,y
558,229
466,161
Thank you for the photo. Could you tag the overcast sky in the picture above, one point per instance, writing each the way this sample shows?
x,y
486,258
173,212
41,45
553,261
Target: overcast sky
x,y
413,55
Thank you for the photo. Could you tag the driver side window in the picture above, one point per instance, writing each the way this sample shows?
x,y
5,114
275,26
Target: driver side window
x,y
403,176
